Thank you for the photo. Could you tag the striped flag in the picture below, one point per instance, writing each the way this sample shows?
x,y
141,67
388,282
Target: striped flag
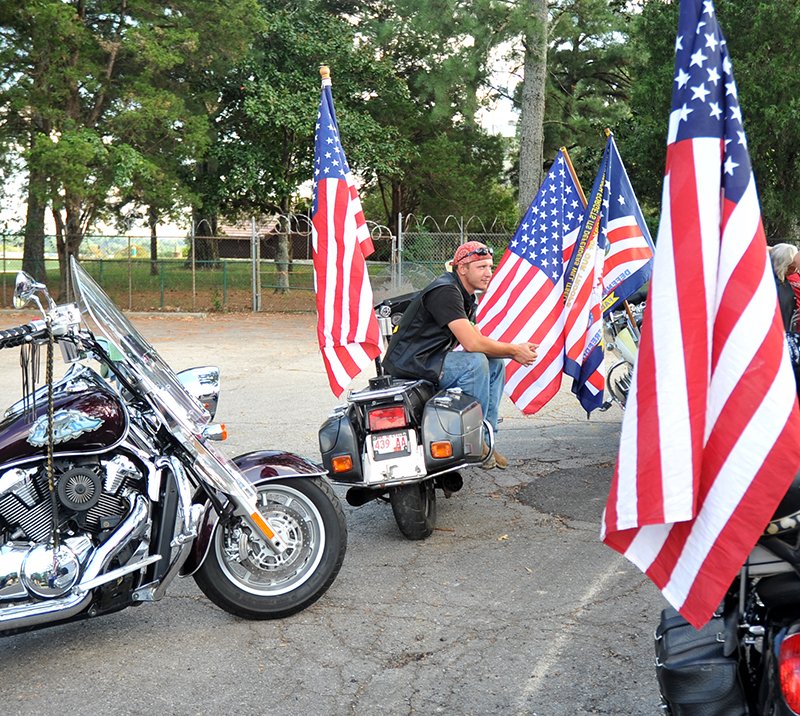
x,y
628,260
347,329
612,259
525,299
710,434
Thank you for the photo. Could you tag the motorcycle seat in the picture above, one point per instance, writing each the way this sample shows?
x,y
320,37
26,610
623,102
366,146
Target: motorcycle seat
x,y
781,590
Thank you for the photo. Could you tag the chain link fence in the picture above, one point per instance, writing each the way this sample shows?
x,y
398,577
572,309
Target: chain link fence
x,y
260,265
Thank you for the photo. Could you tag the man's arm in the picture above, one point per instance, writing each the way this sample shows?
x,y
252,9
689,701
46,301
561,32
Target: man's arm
x,y
473,341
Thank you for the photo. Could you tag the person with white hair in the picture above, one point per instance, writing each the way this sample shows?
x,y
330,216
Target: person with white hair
x,y
785,261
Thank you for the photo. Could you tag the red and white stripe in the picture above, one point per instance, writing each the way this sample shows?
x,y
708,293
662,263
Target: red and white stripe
x,y
521,305
583,329
628,251
711,430
347,329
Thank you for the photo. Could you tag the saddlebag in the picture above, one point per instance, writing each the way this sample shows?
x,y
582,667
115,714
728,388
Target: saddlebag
x,y
338,439
455,417
698,670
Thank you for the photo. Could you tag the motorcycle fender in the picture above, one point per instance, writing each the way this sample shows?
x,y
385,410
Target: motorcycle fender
x,y
258,467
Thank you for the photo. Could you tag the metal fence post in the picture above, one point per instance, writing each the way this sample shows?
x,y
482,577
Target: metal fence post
x,y
130,277
194,267
397,255
255,254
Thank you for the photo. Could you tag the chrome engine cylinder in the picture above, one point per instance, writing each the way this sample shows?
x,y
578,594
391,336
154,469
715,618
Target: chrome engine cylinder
x,y
33,612
48,572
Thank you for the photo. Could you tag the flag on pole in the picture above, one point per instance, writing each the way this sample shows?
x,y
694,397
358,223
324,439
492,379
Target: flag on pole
x,y
710,434
525,299
347,329
628,260
612,259
583,296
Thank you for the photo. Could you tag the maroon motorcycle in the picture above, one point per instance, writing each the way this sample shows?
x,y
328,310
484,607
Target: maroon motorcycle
x,y
110,486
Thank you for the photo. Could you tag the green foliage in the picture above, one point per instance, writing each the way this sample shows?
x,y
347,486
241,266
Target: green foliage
x,y
765,58
269,105
99,94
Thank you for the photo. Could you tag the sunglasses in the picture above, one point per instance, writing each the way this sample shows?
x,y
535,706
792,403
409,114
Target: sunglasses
x,y
483,251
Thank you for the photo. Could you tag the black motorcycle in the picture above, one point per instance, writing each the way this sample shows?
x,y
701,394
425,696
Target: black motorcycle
x,y
746,659
110,486
401,440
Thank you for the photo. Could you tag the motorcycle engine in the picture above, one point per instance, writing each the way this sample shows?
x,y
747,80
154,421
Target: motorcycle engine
x,y
89,497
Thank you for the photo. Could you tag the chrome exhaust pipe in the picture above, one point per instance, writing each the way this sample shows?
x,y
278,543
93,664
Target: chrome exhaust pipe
x,y
31,614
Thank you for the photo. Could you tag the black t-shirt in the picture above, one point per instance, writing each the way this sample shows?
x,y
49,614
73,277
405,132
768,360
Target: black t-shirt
x,y
445,304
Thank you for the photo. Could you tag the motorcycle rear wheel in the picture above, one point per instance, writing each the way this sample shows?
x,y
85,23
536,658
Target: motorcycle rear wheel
x,y
414,508
241,574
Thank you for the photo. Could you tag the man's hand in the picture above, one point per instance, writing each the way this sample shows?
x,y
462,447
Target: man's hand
x,y
524,353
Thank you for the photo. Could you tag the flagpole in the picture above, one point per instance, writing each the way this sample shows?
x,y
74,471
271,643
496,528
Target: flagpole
x,y
574,175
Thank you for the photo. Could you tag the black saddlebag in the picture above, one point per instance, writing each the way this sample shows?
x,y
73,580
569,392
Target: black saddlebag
x,y
698,671
338,438
455,417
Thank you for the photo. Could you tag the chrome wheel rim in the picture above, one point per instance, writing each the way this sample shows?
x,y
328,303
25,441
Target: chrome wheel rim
x,y
247,560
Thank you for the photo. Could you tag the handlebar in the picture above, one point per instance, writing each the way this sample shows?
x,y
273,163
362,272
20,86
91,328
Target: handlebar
x,y
13,337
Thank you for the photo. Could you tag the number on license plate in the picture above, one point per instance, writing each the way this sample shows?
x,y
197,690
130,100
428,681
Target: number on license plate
x,y
390,443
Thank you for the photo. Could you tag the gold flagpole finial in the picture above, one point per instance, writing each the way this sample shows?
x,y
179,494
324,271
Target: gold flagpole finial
x,y
607,132
325,72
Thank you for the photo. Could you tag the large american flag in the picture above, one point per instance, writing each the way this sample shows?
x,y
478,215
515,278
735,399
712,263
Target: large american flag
x,y
613,258
347,328
525,299
710,435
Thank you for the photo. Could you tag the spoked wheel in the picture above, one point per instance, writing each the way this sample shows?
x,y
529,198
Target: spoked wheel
x,y
244,577
414,508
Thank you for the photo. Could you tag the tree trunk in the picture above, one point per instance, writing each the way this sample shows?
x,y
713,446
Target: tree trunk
x,y
531,120
152,220
68,243
282,260
205,244
33,248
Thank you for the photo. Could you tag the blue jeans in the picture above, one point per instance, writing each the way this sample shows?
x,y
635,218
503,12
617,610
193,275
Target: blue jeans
x,y
482,377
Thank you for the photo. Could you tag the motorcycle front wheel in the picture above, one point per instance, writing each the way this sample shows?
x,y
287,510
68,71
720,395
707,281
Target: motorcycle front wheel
x,y
414,508
244,577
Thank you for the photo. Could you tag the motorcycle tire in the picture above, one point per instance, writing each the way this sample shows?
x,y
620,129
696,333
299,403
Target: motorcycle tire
x,y
414,508
241,574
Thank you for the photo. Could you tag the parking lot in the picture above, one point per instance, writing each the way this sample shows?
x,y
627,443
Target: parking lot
x,y
512,606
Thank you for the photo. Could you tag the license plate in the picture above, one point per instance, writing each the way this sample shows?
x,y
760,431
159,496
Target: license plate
x,y
391,443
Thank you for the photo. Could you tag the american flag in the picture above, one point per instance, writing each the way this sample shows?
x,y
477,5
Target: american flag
x,y
710,434
525,299
347,329
613,259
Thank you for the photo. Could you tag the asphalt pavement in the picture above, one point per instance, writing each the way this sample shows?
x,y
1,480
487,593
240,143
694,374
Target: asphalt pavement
x,y
512,606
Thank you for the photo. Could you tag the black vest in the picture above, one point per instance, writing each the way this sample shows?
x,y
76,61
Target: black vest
x,y
418,348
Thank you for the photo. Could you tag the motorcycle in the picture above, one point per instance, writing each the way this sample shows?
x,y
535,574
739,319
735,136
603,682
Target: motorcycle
x,y
110,486
401,440
746,660
621,337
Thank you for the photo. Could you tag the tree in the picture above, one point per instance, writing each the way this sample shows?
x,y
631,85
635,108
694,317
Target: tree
x,y
440,51
78,69
532,103
764,65
265,128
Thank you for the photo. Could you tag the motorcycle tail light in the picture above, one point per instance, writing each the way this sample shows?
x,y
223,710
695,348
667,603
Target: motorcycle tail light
x,y
789,667
387,418
442,449
342,463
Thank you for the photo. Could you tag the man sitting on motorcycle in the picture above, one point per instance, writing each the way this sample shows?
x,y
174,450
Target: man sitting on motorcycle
x,y
442,317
